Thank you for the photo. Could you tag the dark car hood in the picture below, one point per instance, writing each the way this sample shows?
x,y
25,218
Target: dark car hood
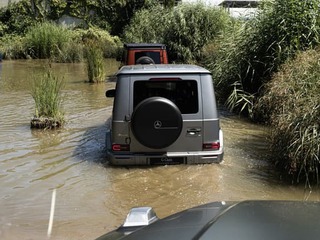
x,y
245,220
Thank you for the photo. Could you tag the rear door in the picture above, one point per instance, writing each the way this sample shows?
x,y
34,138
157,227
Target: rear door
x,y
183,92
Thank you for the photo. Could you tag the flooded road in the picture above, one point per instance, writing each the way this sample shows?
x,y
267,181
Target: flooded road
x,y
93,197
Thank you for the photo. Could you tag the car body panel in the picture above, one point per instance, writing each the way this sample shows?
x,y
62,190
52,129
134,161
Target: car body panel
x,y
246,220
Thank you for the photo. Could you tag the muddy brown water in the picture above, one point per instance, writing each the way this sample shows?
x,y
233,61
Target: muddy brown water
x,y
91,196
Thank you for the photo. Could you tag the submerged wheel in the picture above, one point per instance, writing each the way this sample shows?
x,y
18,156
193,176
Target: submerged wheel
x,y
156,122
145,60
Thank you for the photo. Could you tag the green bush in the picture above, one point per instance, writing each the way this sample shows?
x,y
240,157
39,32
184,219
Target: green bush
x,y
50,41
190,27
252,51
118,13
292,99
12,47
16,17
185,29
3,28
109,44
144,26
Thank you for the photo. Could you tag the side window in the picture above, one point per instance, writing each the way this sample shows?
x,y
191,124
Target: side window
x,y
154,55
183,93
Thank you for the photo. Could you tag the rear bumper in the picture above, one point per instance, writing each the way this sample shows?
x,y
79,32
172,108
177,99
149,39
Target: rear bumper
x,y
163,158
168,158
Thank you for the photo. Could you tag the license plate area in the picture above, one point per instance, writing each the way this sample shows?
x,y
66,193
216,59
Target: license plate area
x,y
166,160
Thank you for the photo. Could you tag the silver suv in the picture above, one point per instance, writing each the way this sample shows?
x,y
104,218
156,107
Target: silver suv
x,y
164,114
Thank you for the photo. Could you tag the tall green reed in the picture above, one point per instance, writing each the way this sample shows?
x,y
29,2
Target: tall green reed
x,y
46,92
46,40
95,62
253,50
292,99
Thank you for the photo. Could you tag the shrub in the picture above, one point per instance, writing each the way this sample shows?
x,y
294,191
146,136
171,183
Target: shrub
x,y
144,26
12,47
185,29
292,99
108,44
190,28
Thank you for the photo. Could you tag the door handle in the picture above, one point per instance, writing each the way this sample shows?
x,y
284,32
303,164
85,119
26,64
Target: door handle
x,y
193,131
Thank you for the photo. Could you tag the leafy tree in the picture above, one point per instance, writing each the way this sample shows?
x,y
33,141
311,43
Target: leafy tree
x,y
190,28
17,17
169,3
144,26
119,12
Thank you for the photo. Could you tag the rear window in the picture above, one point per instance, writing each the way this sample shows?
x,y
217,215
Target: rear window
x,y
154,55
183,93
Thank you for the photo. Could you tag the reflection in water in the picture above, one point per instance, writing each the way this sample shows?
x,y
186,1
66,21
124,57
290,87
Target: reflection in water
x,y
93,197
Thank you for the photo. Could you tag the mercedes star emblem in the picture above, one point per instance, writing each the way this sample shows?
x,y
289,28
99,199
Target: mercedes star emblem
x,y
157,124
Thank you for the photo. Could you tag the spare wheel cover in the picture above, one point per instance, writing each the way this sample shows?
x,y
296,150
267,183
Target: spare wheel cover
x,y
156,122
145,60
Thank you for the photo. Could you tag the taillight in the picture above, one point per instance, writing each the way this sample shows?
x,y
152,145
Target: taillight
x,y
120,147
211,146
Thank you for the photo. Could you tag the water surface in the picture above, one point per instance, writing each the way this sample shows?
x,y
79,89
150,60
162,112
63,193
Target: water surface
x,y
93,197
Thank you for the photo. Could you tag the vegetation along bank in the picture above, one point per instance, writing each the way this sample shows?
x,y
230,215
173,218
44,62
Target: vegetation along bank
x,y
264,67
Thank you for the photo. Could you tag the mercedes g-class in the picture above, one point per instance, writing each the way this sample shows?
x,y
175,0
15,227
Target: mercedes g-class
x,y
164,114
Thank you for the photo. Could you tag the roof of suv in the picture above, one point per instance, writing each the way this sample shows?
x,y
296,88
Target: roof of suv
x,y
162,68
144,45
